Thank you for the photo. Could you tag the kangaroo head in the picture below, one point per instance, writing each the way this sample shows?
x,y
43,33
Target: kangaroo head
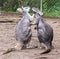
x,y
37,14
37,11
23,9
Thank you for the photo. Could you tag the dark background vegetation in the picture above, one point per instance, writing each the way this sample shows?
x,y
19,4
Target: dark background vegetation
x,y
51,8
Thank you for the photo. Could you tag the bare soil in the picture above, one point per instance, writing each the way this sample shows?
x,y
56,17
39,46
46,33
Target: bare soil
x,y
7,40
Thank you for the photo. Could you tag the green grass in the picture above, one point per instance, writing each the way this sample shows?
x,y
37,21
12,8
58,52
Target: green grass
x,y
52,14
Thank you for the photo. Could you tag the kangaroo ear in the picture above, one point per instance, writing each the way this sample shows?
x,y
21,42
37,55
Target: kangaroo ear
x,y
41,13
22,7
36,10
27,8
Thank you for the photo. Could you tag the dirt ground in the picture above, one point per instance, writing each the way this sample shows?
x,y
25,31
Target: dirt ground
x,y
7,40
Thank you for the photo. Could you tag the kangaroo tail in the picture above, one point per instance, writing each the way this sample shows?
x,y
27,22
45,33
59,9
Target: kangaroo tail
x,y
9,50
46,51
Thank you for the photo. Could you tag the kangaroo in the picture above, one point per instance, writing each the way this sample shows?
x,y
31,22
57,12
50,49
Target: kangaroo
x,y
44,30
23,30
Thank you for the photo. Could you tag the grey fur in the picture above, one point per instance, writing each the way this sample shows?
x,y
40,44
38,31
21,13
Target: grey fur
x,y
44,31
23,29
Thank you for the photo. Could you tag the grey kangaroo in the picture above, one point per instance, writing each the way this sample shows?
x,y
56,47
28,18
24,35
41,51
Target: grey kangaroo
x,y
44,30
23,30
